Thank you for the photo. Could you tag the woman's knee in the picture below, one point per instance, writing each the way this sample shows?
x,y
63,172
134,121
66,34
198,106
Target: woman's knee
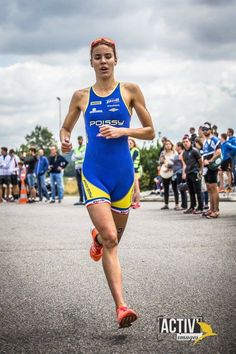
x,y
110,239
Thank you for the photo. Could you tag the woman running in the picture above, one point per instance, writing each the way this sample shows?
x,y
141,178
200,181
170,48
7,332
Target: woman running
x,y
108,173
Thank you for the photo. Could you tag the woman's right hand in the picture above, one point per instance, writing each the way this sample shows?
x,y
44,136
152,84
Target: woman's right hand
x,y
66,145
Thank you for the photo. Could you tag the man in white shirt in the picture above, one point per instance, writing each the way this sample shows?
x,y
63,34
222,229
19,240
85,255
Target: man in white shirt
x,y
78,158
13,174
4,173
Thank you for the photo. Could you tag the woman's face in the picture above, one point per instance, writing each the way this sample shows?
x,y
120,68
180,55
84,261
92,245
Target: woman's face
x,y
177,148
131,144
103,60
200,131
168,146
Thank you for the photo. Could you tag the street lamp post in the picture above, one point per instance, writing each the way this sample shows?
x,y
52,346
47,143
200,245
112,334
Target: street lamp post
x,y
59,101
159,137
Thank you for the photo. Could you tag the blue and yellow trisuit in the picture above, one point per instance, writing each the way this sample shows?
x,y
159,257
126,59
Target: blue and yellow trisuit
x,y
108,172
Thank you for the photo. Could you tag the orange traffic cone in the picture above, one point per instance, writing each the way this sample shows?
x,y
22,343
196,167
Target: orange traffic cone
x,y
23,194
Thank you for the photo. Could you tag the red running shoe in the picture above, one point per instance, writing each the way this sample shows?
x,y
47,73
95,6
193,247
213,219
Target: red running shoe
x,y
125,316
96,250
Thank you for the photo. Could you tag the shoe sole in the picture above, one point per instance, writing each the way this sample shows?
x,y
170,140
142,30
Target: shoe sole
x,y
127,320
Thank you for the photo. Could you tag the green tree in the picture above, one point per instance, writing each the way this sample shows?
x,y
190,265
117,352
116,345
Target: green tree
x,y
39,137
149,160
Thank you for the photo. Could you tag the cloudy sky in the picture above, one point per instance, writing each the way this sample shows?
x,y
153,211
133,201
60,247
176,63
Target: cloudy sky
x,y
181,53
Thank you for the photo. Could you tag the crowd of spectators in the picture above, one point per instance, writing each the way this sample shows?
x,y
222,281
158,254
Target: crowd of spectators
x,y
33,169
197,168
201,165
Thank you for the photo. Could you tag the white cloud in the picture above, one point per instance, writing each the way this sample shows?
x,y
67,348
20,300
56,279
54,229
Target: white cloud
x,y
185,66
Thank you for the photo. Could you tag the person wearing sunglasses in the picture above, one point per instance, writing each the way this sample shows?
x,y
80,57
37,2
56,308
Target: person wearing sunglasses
x,y
108,173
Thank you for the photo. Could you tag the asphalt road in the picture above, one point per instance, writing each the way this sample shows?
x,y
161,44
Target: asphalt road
x,y
54,299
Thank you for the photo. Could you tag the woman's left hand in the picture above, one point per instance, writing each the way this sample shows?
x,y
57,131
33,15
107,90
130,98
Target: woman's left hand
x,y
110,132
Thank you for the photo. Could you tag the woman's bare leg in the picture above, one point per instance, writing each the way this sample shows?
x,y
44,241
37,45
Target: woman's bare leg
x,y
106,224
120,222
136,195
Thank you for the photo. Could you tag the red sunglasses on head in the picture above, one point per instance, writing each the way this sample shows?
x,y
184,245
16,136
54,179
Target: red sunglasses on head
x,y
103,40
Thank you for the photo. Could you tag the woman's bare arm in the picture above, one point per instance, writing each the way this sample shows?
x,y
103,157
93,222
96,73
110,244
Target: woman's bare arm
x,y
138,103
70,121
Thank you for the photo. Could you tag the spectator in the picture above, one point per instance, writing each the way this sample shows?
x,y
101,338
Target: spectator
x,y
40,170
20,169
167,161
158,182
135,154
200,133
199,144
205,199
4,173
178,167
14,159
78,157
214,130
163,140
211,152
30,163
232,140
226,151
192,173
193,135
57,164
